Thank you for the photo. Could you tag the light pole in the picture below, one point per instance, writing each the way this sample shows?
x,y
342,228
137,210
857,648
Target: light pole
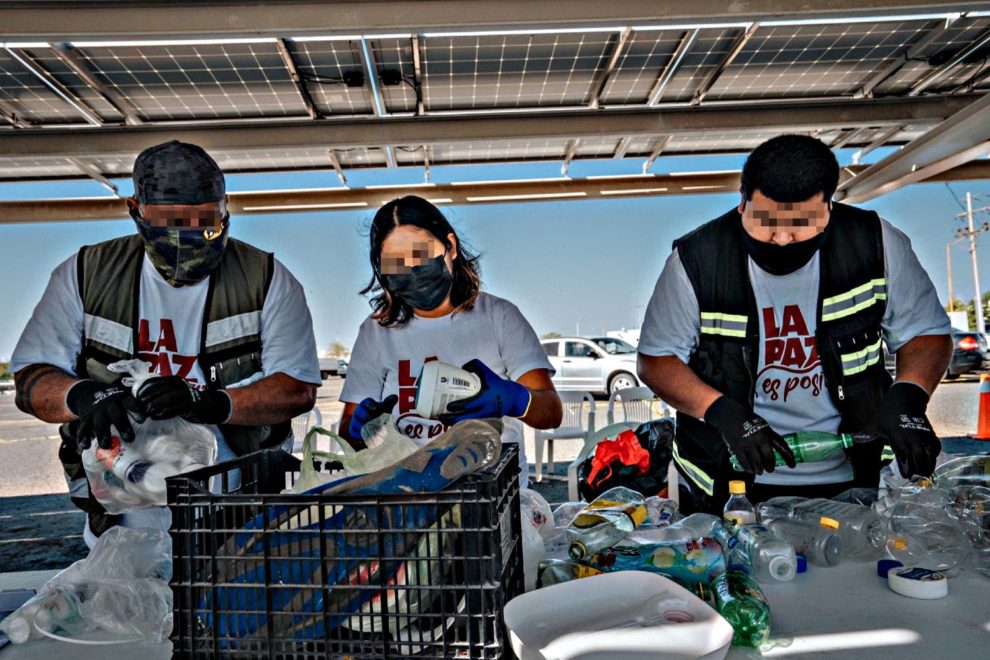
x,y
971,232
948,268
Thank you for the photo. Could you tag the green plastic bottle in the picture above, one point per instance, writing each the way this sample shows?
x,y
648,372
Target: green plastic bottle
x,y
809,446
739,599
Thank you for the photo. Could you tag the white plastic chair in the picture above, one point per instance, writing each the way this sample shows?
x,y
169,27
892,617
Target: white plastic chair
x,y
591,441
301,424
572,427
639,404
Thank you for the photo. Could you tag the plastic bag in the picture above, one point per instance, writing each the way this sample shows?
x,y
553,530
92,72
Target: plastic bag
x,y
132,475
120,587
635,459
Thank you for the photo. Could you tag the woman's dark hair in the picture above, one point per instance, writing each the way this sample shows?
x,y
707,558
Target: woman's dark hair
x,y
791,168
391,311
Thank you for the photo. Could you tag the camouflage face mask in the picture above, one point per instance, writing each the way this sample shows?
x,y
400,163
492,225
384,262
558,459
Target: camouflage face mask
x,y
183,256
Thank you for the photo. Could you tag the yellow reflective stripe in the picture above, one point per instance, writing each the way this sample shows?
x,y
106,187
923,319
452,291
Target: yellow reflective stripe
x,y
859,355
718,316
852,293
728,325
887,454
855,308
723,331
696,474
860,359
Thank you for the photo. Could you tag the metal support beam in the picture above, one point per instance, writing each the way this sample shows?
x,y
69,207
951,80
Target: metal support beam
x,y
572,148
685,44
617,44
959,139
390,161
846,138
884,138
371,80
733,53
913,51
55,20
72,59
52,83
426,163
290,65
11,117
658,148
335,162
346,133
930,79
621,148
417,75
94,174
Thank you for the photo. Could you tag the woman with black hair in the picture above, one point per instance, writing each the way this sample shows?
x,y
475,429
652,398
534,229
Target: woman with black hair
x,y
428,305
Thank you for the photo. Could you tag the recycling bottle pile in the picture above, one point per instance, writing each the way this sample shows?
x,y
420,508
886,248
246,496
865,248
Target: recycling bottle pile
x,y
935,528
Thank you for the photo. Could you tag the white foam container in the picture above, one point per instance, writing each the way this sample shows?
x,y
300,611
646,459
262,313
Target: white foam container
x,y
628,615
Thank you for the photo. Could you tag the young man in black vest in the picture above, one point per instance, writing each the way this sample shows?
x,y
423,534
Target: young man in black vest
x,y
769,320
224,324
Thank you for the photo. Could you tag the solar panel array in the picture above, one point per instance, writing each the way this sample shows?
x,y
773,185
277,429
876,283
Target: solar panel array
x,y
409,75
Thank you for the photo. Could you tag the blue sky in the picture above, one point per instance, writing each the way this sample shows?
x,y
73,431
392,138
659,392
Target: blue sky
x,y
588,264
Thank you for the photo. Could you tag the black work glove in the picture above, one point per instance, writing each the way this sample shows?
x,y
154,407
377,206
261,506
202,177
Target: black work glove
x,y
166,397
748,436
903,424
99,406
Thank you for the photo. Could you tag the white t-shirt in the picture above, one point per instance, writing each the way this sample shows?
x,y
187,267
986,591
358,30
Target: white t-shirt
x,y
790,386
171,320
387,361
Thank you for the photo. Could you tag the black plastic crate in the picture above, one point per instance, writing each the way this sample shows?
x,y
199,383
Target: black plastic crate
x,y
260,574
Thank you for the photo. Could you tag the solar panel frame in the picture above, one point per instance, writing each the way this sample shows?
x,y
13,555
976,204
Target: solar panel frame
x,y
28,97
329,61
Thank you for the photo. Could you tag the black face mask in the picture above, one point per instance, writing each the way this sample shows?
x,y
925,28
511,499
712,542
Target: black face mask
x,y
423,287
781,259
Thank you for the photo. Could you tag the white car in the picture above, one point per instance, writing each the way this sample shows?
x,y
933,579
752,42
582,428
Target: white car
x,y
592,364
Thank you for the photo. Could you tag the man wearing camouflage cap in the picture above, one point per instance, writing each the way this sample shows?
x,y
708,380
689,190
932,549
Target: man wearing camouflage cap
x,y
225,325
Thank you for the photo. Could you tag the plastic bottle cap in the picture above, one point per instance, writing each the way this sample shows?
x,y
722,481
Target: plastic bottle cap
x,y
885,566
737,487
831,523
781,569
920,583
802,564
897,544
18,629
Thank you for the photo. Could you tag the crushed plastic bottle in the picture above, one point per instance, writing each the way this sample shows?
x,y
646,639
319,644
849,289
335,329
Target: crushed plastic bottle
x,y
660,512
605,521
687,562
861,529
963,471
697,525
820,542
739,599
738,509
555,571
566,512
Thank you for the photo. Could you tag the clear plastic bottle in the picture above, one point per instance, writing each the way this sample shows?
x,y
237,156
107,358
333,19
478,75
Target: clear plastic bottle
x,y
819,542
605,521
566,512
809,446
771,557
963,471
738,510
739,599
660,512
688,561
861,529
927,537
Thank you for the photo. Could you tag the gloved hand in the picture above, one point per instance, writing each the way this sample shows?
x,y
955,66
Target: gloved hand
x,y
368,410
748,436
903,424
98,406
498,397
170,396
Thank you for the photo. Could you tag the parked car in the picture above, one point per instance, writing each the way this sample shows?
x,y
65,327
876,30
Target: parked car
x,y
592,364
332,367
970,354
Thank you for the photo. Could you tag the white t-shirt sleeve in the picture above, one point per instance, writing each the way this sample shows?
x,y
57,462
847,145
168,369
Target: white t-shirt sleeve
x,y
366,370
913,308
673,319
53,334
519,346
287,342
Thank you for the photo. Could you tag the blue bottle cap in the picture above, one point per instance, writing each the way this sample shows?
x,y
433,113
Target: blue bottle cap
x,y
884,566
802,564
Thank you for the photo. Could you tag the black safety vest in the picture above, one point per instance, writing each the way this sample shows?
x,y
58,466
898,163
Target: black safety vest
x,y
109,276
852,296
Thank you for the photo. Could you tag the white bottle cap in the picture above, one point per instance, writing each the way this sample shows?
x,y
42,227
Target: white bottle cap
x,y
18,629
916,582
781,569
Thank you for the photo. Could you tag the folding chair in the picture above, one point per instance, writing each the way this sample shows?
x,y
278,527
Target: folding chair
x,y
572,427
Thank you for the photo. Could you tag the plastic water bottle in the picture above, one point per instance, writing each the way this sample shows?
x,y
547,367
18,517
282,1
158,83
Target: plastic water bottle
x,y
771,557
810,446
695,526
603,522
819,542
660,511
126,463
739,599
566,512
861,529
738,510
57,612
927,537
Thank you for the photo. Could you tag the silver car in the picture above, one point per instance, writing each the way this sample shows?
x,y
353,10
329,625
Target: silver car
x,y
592,364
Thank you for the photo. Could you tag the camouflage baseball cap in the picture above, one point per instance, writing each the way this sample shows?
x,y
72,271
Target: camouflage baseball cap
x,y
177,173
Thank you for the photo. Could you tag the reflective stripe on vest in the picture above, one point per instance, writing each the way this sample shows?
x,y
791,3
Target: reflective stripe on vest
x,y
887,454
853,363
693,472
233,328
854,300
109,333
728,325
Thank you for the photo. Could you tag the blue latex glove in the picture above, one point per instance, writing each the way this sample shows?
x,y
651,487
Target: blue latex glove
x,y
498,398
368,410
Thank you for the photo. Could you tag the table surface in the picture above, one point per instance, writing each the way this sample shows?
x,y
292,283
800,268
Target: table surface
x,y
845,611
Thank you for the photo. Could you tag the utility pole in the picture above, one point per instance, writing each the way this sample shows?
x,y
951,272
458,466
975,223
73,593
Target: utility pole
x,y
948,268
971,232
